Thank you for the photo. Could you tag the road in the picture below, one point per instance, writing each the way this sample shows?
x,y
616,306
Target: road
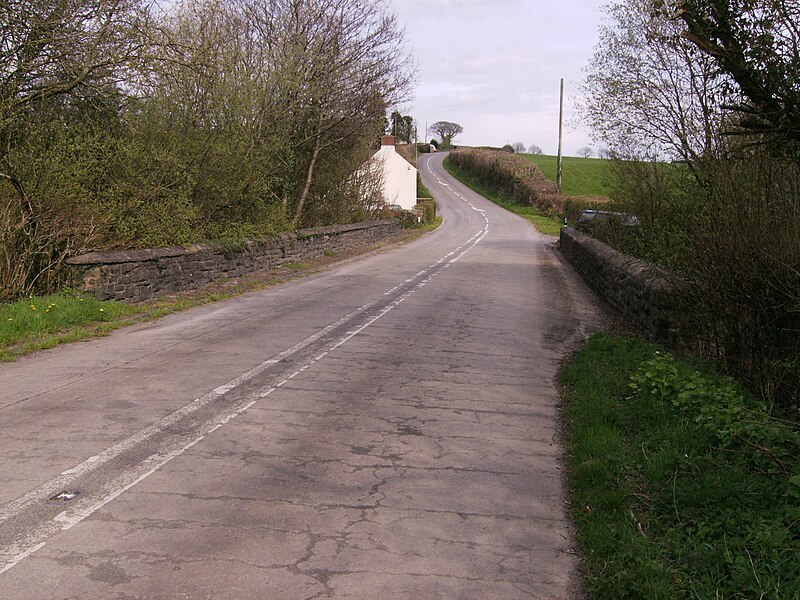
x,y
385,429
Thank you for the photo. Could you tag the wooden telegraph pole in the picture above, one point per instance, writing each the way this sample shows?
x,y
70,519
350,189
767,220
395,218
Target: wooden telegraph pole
x,y
559,169
416,139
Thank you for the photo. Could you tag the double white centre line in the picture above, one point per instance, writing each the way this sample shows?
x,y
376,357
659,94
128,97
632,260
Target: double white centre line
x,y
36,537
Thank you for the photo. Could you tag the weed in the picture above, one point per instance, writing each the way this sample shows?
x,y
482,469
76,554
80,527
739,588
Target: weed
x,y
684,485
38,317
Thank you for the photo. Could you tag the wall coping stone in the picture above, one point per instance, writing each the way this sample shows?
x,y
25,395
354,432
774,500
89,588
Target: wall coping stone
x,y
645,294
148,254
136,275
633,267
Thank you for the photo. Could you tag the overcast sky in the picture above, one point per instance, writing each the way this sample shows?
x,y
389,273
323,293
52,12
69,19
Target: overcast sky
x,y
493,66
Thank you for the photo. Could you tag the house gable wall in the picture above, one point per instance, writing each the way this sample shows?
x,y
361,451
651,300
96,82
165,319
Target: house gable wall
x,y
399,178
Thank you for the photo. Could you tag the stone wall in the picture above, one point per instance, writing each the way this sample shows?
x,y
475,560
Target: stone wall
x,y
136,275
643,294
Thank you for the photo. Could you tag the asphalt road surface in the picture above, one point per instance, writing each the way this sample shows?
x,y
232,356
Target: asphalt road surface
x,y
385,429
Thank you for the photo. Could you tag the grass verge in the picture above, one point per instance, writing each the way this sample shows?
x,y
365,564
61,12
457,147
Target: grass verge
x,y
422,191
42,322
683,485
581,176
429,226
545,224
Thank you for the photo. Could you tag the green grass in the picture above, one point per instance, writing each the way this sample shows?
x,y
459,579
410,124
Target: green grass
x,y
683,486
41,317
545,224
429,226
422,191
581,176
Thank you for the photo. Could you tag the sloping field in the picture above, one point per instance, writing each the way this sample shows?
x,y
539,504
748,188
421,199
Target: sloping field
x,y
582,176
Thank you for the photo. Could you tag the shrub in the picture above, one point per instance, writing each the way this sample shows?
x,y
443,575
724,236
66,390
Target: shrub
x,y
730,229
511,175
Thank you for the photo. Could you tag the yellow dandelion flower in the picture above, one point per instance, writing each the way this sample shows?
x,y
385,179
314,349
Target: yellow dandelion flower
x,y
102,310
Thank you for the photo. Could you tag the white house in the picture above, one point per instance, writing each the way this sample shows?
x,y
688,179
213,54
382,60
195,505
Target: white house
x,y
399,175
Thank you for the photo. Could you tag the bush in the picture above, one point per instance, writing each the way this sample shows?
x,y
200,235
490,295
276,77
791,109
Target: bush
x,y
511,175
429,208
407,218
730,229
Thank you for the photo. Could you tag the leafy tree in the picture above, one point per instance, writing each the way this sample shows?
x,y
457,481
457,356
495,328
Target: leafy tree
x,y
402,127
755,43
61,63
447,131
125,127
508,148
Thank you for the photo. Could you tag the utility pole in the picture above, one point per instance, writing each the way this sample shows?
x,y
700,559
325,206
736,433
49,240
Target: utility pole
x,y
416,141
559,168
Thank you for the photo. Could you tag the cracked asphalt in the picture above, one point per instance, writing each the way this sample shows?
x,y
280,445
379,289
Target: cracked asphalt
x,y
385,429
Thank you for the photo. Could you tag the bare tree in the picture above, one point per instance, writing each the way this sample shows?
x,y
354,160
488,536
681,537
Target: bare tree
x,y
585,152
519,147
649,92
534,149
447,131
342,63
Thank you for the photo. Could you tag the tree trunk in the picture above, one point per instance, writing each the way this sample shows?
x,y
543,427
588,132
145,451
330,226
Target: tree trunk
x,y
309,174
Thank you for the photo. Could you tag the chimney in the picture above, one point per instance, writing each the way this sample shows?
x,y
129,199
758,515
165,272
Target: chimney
x,y
388,140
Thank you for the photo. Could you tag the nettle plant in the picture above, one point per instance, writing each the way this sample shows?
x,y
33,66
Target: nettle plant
x,y
733,419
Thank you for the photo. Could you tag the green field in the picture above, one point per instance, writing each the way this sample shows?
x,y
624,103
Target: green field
x,y
581,177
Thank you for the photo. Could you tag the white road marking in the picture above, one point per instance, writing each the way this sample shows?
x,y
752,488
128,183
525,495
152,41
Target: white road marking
x,y
67,519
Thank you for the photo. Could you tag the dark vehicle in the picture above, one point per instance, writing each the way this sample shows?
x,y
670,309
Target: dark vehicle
x,y
587,219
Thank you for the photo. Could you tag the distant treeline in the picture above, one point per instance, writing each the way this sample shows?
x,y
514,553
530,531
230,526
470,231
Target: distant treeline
x,y
125,125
